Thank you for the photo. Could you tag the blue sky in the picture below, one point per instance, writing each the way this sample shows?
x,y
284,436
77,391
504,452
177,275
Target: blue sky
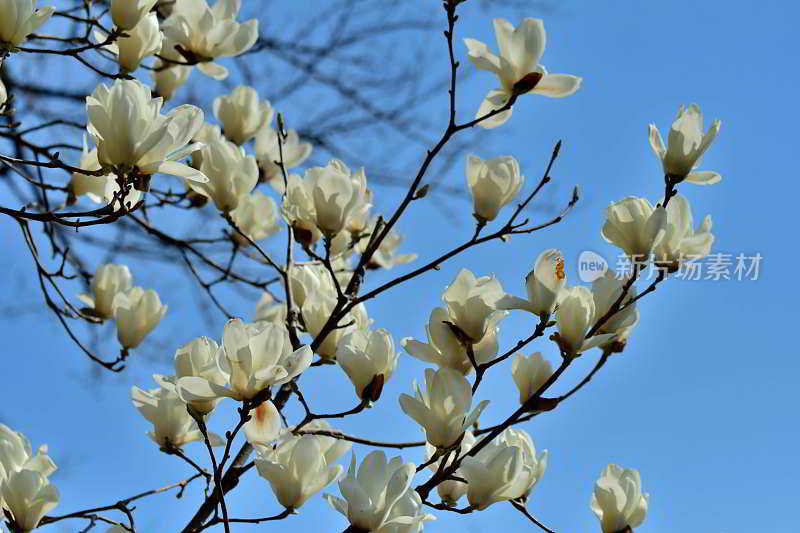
x,y
701,401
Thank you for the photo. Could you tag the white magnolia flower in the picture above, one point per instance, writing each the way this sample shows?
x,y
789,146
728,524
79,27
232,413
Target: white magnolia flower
x,y
618,501
367,356
207,33
231,174
450,491
270,310
294,151
530,373
28,496
544,285
533,464
20,18
129,130
3,95
108,280
575,316
378,497
686,145
472,304
384,256
606,290
136,312
635,226
296,470
143,40
493,183
256,216
492,473
173,426
168,78
299,210
445,350
17,454
199,358
305,280
315,312
326,197
126,14
241,113
681,241
517,67
443,407
253,357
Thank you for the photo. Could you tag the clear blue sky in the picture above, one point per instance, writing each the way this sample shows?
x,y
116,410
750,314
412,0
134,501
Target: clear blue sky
x,y
703,400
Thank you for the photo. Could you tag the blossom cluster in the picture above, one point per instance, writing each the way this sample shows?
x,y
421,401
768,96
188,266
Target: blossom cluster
x,y
328,210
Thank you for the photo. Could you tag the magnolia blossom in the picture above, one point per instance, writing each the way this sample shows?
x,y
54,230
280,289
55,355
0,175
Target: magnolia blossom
x,y
576,314
20,18
472,304
256,216
517,67
378,496
299,210
450,490
544,285
530,373
126,14
3,95
252,357
686,145
136,312
635,226
143,40
270,310
296,470
505,469
533,464
199,358
206,33
384,256
617,500
368,358
173,426
606,290
442,408
305,280
445,349
493,184
315,312
108,280
100,189
294,153
16,453
28,496
491,474
231,174
681,242
168,78
129,130
24,493
326,197
241,113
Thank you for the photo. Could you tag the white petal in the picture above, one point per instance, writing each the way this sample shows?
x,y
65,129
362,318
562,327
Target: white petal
x,y
557,85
